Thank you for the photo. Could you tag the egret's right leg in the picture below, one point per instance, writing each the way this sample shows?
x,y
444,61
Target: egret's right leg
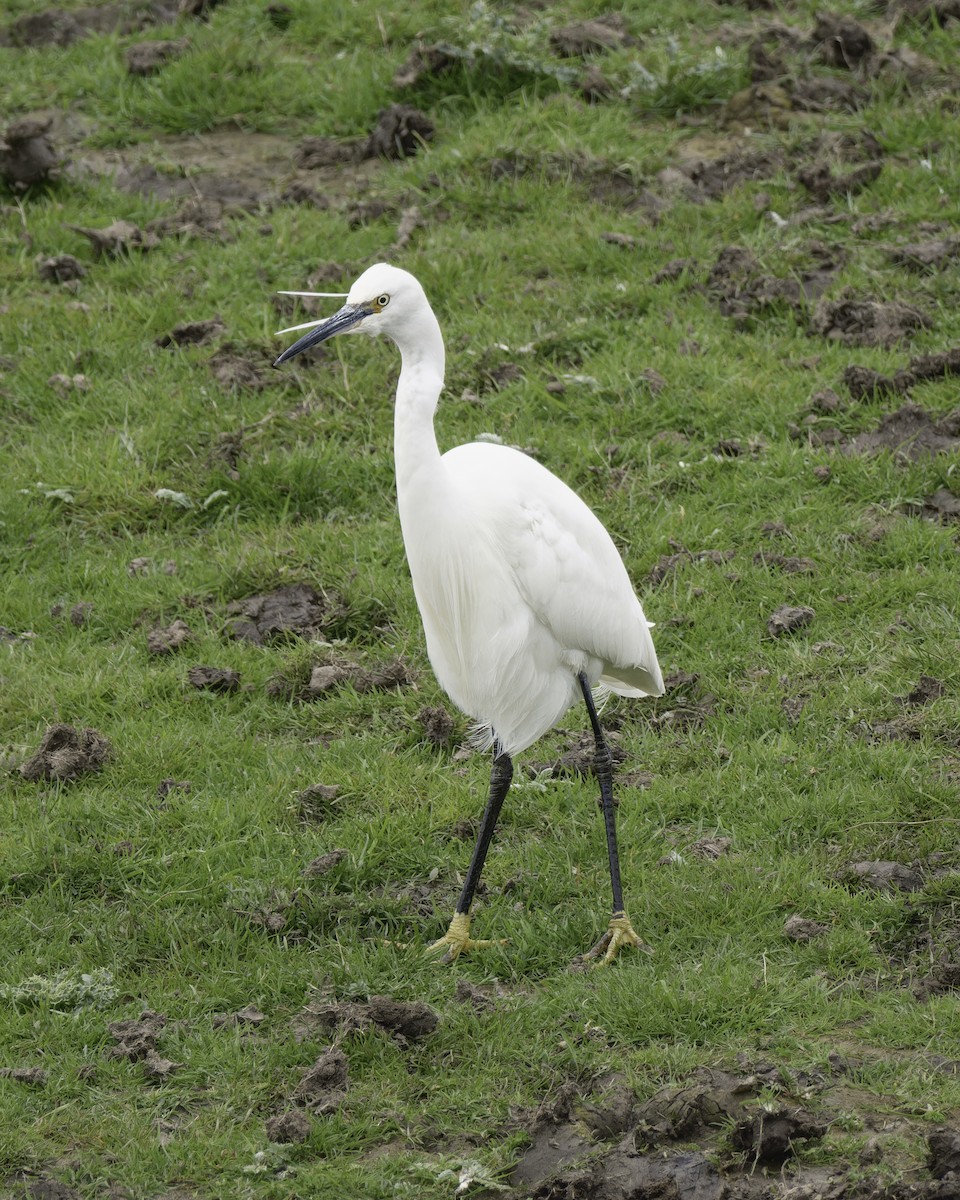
x,y
457,939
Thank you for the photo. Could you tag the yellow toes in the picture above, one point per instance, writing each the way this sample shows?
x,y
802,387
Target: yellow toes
x,y
457,940
619,933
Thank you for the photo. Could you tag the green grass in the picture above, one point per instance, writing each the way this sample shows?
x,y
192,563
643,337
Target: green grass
x,y
170,894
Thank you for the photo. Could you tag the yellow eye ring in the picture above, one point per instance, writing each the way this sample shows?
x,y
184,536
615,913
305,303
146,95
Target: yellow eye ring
x,y
381,302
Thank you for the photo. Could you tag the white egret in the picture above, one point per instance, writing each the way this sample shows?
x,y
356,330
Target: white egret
x,y
525,601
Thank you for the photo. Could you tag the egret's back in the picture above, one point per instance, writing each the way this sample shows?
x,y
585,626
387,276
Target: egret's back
x,y
520,588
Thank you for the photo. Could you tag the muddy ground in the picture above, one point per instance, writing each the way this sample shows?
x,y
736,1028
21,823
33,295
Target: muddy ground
x,y
721,1135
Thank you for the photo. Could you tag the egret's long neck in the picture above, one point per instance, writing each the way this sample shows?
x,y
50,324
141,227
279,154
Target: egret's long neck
x,y
415,447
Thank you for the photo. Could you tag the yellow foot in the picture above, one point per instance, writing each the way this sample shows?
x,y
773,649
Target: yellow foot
x,y
457,939
619,933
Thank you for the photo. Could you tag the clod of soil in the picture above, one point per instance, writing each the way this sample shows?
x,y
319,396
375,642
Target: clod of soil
x,y
577,761
50,1189
57,27
407,1021
137,1041
324,863
191,333
867,322
865,383
67,753
234,371
437,724
883,876
400,132
316,803
119,238
61,268
324,1086
770,1137
823,183
742,289
147,58
214,679
250,1015
802,929
289,1127
942,505
32,1076
788,619
932,255
166,786
297,610
789,563
668,563
329,676
842,41
583,38
27,155
910,433
943,1152
927,690
166,641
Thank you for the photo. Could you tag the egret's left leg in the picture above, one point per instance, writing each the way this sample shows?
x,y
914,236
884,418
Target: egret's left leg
x,y
457,939
619,932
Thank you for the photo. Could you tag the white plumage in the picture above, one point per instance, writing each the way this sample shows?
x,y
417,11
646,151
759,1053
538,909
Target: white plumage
x,y
525,601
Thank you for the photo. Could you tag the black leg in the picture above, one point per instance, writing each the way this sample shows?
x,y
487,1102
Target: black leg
x,y
604,766
501,774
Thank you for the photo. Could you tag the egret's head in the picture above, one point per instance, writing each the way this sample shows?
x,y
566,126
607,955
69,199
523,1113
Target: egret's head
x,y
381,301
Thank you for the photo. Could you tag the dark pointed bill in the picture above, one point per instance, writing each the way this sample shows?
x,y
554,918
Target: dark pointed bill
x,y
340,322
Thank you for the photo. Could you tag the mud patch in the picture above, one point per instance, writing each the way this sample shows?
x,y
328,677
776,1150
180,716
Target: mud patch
x,y
192,333
122,237
27,154
927,257
67,753
31,1076
406,1021
323,1087
400,132
789,618
214,679
882,876
335,673
169,640
58,27
858,322
291,1127
744,290
61,268
668,563
295,611
910,434
865,383
137,1041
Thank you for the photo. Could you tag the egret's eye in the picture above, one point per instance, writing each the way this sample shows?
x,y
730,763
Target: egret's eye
x,y
381,302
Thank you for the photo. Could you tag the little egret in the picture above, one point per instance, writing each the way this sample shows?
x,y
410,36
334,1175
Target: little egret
x,y
525,601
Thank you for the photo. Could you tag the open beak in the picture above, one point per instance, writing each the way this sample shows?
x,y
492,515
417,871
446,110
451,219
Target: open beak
x,y
341,322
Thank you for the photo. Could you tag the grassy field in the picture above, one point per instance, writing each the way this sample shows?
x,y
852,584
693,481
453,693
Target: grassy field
x,y
665,266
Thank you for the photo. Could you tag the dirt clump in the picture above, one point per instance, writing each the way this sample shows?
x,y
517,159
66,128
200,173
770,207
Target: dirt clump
x,y
802,929
790,564
577,761
318,802
882,876
583,38
31,1076
137,1041
67,753
744,290
668,563
290,1127
27,154
858,322
941,505
788,619
927,690
863,382
58,27
335,673
823,182
249,1015
769,1138
400,132
61,268
910,433
166,786
324,863
169,640
407,1021
119,238
296,610
214,679
943,1152
192,333
147,58
323,1087
842,41
928,256
437,724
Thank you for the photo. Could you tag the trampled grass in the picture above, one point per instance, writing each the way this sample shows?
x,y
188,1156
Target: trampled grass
x,y
151,489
